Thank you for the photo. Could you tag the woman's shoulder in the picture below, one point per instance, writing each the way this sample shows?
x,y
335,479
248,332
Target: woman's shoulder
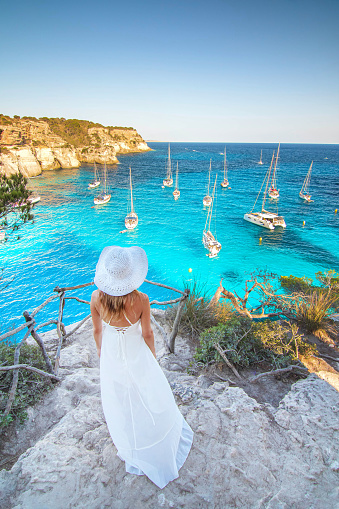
x,y
95,296
143,298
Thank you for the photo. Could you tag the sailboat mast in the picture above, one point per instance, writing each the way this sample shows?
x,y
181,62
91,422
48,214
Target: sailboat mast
x,y
130,182
268,179
225,164
169,163
308,178
105,178
211,207
176,178
209,178
274,178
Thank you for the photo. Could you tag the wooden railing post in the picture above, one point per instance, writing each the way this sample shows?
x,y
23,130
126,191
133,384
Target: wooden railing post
x,y
40,342
177,320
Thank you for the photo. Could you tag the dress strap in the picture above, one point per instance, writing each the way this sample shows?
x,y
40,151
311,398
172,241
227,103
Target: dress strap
x,y
128,319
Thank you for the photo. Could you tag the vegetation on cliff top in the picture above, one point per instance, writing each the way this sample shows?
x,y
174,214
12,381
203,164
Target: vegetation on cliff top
x,y
73,131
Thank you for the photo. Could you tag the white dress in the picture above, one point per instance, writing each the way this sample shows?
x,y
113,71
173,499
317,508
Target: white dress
x,y
146,426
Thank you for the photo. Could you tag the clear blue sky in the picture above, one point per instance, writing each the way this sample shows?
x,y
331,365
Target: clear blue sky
x,y
214,70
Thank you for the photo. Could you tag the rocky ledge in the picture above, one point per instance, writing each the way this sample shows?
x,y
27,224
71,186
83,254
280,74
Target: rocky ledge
x,y
245,455
32,145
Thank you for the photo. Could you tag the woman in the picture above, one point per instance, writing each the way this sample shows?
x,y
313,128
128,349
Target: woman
x,y
146,426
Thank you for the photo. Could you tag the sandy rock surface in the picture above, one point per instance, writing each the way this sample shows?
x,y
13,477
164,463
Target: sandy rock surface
x,y
245,454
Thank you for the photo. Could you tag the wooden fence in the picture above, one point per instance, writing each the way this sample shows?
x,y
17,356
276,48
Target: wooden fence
x,y
52,368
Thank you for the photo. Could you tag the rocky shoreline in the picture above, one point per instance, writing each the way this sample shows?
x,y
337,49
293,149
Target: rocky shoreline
x,y
245,455
30,146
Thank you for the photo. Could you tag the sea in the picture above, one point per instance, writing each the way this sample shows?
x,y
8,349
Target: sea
x,y
62,246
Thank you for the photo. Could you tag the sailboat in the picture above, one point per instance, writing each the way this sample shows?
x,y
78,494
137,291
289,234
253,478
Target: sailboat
x,y
96,181
273,192
207,199
225,182
176,192
103,198
208,239
304,191
260,160
131,220
264,218
168,181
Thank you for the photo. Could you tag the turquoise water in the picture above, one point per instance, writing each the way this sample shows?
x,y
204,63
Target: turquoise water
x,y
63,245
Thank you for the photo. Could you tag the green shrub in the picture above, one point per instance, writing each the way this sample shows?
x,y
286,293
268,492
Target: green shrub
x,y
311,314
31,386
246,343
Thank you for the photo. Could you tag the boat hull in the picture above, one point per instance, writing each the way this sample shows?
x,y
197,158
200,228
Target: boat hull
x,y
273,193
176,194
211,244
265,220
224,183
207,201
101,200
167,182
306,197
131,221
93,185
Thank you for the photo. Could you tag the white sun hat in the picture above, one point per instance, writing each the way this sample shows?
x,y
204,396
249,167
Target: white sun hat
x,y
120,270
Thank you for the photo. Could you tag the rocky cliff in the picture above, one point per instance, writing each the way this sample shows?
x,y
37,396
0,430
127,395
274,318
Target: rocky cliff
x,y
245,455
31,145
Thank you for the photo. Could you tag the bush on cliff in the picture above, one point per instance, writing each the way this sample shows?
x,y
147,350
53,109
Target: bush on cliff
x,y
31,386
13,190
248,343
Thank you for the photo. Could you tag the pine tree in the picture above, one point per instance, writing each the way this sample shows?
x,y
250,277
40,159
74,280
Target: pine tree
x,y
15,209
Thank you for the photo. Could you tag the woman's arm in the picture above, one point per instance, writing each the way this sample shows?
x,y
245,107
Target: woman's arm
x,y
97,322
147,332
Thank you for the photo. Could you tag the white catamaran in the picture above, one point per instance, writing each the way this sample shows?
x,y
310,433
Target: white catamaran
x,y
168,181
208,239
225,182
264,218
96,181
207,199
273,192
131,220
304,191
176,192
103,198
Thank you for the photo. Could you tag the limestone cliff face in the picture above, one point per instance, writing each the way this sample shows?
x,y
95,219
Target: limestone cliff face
x,y
31,145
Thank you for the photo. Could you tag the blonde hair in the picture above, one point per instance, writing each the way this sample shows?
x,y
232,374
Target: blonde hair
x,y
114,307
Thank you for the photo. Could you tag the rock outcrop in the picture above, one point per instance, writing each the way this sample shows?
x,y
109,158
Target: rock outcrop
x,y
245,455
31,145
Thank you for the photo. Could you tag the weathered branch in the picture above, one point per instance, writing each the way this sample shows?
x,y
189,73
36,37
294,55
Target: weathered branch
x,y
30,368
77,326
15,379
60,332
328,357
164,286
39,308
40,342
174,301
15,331
177,321
79,300
50,322
279,371
65,289
229,364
